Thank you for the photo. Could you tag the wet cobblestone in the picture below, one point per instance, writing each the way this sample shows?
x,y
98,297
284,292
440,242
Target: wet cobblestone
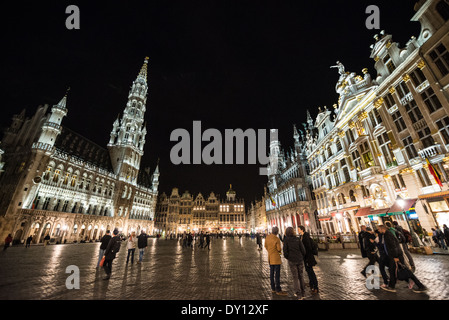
x,y
232,270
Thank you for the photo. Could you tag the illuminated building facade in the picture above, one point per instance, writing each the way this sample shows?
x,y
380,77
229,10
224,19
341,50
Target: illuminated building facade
x,y
60,183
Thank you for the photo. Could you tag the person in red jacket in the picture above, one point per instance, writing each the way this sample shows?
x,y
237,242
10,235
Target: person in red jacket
x,y
8,241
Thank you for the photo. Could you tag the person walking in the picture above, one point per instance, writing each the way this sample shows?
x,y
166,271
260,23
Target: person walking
x,y
441,238
104,244
131,246
401,232
184,240
8,241
46,240
383,258
295,252
395,257
207,238
446,233
309,259
273,247
142,243
189,240
435,237
111,253
362,234
259,241
201,245
28,241
370,247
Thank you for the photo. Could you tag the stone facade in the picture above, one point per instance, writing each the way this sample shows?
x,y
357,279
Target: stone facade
x,y
380,144
289,200
177,213
57,182
257,217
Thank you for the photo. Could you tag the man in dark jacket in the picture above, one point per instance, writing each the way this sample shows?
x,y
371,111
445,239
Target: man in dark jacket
x,y
441,238
394,254
110,253
142,243
259,241
370,248
28,242
294,252
309,259
104,244
201,245
383,258
362,234
404,244
446,233
395,257
207,237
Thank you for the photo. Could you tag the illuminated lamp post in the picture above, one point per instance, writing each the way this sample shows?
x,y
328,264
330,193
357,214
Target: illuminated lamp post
x,y
401,203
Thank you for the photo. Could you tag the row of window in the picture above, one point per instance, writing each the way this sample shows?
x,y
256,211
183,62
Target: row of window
x,y
84,182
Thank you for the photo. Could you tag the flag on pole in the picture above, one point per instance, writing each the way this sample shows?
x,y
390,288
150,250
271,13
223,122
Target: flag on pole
x,y
34,202
272,201
434,173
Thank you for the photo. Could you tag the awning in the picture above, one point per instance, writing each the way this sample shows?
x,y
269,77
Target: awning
x,y
368,211
324,218
362,212
434,195
397,209
350,208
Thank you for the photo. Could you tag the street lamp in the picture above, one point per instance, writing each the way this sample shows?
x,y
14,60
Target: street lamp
x,y
401,203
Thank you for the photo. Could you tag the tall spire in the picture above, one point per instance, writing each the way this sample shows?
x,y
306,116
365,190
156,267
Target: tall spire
x,y
127,137
143,70
309,120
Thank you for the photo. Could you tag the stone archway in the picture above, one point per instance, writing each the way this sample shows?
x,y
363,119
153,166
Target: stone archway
x,y
46,228
17,236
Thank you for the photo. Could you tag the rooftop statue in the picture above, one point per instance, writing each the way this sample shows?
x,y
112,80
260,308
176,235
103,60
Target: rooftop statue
x,y
341,67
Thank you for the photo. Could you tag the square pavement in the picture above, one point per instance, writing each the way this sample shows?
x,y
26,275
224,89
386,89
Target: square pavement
x,y
232,270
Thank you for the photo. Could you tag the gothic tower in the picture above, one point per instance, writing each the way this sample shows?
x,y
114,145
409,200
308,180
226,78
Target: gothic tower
x,y
128,133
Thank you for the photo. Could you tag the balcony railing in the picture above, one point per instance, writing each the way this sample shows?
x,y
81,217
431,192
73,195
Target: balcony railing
x,y
52,125
407,98
42,146
430,152
419,124
371,171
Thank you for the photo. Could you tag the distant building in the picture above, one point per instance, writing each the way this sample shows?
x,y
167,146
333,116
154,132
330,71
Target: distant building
x,y
177,213
257,217
289,201
58,182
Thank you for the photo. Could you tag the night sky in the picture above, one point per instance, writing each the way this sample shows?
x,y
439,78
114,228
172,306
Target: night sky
x,y
230,64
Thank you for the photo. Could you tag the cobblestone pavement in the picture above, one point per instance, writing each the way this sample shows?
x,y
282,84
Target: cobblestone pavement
x,y
232,270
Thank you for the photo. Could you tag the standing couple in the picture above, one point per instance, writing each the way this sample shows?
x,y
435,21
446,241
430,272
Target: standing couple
x,y
299,253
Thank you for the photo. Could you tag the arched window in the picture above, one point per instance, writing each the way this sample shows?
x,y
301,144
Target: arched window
x,y
443,9
365,191
338,143
83,227
36,229
47,173
352,196
73,183
56,175
342,198
58,230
